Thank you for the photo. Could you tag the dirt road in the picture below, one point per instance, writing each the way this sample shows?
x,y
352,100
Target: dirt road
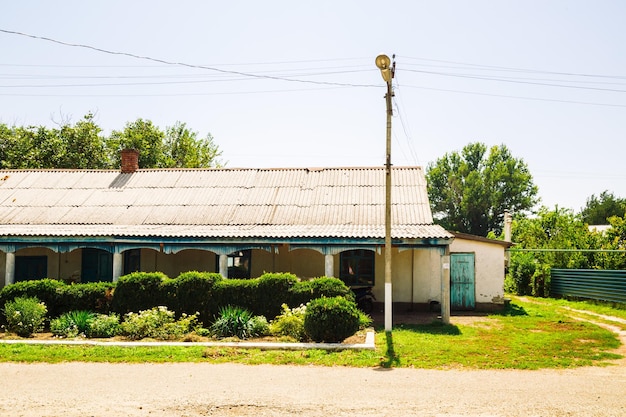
x,y
190,390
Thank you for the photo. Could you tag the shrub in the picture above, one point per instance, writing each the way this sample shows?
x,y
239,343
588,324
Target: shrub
x,y
138,291
521,270
290,323
305,291
259,326
25,315
45,290
331,319
194,293
92,296
235,321
104,325
156,323
273,290
72,324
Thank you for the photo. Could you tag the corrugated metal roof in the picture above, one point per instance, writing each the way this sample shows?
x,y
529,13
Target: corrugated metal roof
x,y
280,203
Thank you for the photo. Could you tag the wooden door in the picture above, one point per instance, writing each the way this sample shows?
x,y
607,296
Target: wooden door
x,y
462,281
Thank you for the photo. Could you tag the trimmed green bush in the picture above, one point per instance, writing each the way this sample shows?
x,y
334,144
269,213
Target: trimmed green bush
x,y
139,291
273,289
194,294
25,315
305,291
48,291
93,296
331,319
241,292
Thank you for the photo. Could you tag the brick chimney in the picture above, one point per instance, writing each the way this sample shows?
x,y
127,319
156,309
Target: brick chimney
x,y
130,161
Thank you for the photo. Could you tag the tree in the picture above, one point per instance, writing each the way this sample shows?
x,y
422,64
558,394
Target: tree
x,y
598,210
184,149
470,191
143,136
555,239
77,147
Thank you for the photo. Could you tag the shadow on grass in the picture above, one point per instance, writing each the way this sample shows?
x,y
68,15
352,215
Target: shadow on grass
x,y
390,354
511,310
435,328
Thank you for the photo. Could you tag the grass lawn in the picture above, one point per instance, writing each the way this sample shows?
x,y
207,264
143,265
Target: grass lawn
x,y
528,335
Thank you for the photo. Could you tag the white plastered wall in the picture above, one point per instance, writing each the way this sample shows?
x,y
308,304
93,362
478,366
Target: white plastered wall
x,y
489,268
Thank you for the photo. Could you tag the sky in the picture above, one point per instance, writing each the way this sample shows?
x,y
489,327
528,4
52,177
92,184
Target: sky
x,y
294,84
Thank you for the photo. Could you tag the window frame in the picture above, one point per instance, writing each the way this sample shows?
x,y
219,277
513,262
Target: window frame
x,y
357,267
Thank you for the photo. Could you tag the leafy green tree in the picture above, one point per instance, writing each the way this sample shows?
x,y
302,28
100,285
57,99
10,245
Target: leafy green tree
x,y
599,209
470,191
81,146
553,239
78,147
183,148
143,136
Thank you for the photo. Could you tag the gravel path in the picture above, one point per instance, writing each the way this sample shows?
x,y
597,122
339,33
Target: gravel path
x,y
96,389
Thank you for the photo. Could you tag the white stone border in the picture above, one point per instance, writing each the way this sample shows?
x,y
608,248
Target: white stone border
x,y
368,345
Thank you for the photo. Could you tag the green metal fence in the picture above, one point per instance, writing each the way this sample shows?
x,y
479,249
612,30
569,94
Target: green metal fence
x,y
593,284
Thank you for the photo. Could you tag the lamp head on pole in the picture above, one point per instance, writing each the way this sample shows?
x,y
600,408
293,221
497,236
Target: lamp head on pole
x,y
384,64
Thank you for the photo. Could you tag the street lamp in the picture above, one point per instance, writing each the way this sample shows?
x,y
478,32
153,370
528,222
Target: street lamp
x,y
387,70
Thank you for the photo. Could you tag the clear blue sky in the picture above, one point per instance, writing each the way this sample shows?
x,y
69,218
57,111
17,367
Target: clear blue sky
x,y
292,84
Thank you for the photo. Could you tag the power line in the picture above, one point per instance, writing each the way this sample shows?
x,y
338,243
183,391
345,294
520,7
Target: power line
x,y
502,68
183,64
517,81
516,97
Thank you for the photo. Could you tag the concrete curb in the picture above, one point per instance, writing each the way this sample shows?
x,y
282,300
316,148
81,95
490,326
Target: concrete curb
x,y
368,345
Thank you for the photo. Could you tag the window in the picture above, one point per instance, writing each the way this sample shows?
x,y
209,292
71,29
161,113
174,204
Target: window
x,y
97,265
132,261
357,267
238,264
30,268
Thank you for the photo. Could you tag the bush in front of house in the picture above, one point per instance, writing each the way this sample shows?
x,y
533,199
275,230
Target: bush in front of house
x,y
290,323
305,291
48,291
104,325
193,293
157,323
272,290
25,315
139,291
72,324
235,321
92,296
331,320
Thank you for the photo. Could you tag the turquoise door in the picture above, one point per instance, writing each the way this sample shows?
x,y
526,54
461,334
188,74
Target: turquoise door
x,y
462,281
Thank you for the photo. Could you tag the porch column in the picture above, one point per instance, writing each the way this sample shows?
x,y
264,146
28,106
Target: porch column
x,y
445,286
9,271
224,266
329,266
117,266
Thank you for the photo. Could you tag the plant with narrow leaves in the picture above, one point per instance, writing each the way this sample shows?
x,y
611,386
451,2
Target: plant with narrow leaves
x,y
72,324
235,321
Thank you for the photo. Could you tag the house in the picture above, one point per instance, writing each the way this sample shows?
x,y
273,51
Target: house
x,y
96,225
